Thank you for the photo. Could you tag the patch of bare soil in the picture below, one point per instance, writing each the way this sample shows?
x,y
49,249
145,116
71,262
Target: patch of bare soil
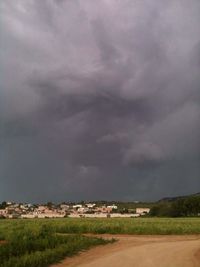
x,y
140,251
3,242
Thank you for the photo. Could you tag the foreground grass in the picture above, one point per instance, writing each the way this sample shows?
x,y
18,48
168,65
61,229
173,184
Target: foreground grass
x,y
37,245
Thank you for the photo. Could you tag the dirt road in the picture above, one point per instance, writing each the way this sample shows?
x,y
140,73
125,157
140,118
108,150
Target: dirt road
x,y
141,251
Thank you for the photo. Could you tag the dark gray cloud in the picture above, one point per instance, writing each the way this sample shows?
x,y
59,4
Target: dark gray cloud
x,y
99,99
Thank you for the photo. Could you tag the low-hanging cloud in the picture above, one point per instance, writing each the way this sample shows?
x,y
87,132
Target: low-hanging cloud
x,y
99,99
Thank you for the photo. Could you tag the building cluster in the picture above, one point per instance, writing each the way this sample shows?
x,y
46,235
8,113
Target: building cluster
x,y
15,210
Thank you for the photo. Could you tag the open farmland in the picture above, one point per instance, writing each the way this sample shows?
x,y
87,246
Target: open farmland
x,y
43,242
150,226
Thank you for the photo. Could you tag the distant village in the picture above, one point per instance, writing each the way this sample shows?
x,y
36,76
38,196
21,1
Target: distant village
x,y
91,210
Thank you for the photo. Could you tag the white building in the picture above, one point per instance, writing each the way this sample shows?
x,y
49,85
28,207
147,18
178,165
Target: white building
x,y
90,205
113,207
142,211
82,210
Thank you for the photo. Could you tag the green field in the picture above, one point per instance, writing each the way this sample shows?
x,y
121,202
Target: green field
x,y
39,242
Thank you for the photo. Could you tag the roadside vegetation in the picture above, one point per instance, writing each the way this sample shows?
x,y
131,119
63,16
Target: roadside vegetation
x,y
27,244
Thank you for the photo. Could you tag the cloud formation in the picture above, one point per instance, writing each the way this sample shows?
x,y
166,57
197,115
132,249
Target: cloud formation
x,y
99,99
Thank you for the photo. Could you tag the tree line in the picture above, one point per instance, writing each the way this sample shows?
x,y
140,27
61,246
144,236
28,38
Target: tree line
x,y
182,207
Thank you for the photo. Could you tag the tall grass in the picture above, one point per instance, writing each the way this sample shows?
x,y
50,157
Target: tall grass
x,y
129,226
102,226
43,255
37,245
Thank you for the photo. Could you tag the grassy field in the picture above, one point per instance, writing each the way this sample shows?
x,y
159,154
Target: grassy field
x,y
102,226
148,226
37,243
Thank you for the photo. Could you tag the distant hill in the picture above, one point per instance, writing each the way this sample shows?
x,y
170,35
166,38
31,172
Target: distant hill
x,y
171,199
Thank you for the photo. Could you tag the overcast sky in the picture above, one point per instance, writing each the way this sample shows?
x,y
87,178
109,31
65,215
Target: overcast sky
x,y
99,99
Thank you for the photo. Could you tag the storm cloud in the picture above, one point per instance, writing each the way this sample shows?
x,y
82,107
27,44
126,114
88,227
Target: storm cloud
x,y
99,99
